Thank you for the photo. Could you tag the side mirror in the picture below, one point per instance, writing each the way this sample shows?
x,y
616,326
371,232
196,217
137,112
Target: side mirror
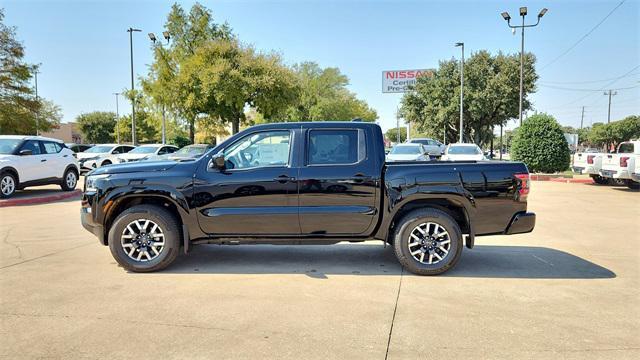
x,y
25,152
218,162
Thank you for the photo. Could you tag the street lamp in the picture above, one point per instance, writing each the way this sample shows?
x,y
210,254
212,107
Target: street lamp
x,y
117,117
36,70
133,95
153,39
461,44
507,17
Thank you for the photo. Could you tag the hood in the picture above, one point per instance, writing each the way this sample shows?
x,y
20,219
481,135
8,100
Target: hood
x,y
134,156
83,155
464,157
403,157
7,157
143,166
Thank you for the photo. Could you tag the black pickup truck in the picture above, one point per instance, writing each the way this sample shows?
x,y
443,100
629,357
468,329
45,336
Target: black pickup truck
x,y
304,183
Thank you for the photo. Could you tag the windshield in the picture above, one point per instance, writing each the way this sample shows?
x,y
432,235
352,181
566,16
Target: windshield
x,y
8,146
191,150
406,150
99,149
144,150
464,150
424,142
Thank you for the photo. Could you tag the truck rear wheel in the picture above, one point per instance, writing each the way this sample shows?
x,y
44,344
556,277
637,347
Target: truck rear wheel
x,y
428,242
145,238
600,180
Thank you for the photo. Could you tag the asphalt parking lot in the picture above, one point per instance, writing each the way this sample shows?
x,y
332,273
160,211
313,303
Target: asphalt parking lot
x,y
570,289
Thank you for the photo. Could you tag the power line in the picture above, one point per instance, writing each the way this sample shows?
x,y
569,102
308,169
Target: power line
x,y
584,36
577,89
583,82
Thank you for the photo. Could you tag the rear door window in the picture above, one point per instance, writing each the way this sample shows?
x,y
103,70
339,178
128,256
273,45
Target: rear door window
x,y
335,147
51,147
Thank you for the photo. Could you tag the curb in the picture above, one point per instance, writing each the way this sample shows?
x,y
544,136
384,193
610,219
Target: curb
x,y
573,181
40,199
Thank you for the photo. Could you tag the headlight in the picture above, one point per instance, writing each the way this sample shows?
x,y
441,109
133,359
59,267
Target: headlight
x,y
90,182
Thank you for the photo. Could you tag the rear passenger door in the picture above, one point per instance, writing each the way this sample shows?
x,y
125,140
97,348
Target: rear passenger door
x,y
56,162
338,182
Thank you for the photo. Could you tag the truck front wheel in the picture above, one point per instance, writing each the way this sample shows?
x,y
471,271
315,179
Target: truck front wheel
x,y
144,238
428,242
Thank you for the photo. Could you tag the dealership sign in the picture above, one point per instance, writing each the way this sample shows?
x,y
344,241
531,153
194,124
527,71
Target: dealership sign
x,y
399,81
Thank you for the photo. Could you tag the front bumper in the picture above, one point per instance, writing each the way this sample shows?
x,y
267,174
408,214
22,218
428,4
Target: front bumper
x,y
522,222
86,218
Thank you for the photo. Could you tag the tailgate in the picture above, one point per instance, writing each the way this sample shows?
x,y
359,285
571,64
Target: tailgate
x,y
580,160
610,161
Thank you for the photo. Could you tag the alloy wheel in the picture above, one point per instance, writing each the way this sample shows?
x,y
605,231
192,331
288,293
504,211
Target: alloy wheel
x,y
429,243
7,185
71,180
142,240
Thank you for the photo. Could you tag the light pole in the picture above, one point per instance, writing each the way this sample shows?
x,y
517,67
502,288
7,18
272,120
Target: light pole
x,y
523,13
133,95
461,44
117,118
153,38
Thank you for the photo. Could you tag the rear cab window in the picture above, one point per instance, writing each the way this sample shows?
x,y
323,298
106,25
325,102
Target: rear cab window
x,y
625,148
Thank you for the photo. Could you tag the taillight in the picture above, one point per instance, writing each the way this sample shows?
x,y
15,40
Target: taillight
x,y
590,159
624,161
523,186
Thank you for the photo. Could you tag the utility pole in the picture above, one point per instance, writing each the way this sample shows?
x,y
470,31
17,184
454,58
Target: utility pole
x,y
133,94
461,44
398,124
117,117
582,118
610,93
37,100
501,147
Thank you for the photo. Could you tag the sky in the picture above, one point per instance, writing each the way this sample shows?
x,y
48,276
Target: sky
x,y
83,46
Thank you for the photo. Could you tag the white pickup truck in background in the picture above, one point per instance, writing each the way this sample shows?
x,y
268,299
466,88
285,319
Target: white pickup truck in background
x,y
623,164
590,162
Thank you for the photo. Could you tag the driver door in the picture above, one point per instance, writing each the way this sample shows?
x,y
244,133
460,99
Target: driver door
x,y
256,193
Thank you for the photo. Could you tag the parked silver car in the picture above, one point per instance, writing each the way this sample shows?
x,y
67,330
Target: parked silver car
x,y
433,147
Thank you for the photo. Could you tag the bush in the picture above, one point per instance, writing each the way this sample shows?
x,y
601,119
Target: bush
x,y
540,144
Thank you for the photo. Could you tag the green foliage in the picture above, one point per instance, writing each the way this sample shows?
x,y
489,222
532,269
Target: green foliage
x,y
392,134
601,134
324,96
97,127
180,141
491,96
540,143
147,127
20,111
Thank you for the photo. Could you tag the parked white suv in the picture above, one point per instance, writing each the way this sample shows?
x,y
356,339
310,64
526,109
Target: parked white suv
x,y
35,160
101,155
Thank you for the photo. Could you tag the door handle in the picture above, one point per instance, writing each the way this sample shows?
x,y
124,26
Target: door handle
x,y
284,178
43,160
359,178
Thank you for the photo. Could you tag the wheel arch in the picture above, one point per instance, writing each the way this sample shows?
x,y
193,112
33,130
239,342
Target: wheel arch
x,y
453,208
13,171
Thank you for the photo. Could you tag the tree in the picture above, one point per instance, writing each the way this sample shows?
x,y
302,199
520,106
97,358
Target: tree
x,y
98,126
225,77
540,143
20,111
392,134
324,96
491,96
164,83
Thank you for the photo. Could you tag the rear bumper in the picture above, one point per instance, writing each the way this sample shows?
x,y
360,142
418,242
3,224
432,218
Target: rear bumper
x,y
615,174
523,222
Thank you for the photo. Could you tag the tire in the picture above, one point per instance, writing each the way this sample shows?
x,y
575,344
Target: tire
x,y
403,237
632,184
106,162
69,180
8,185
163,256
600,180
